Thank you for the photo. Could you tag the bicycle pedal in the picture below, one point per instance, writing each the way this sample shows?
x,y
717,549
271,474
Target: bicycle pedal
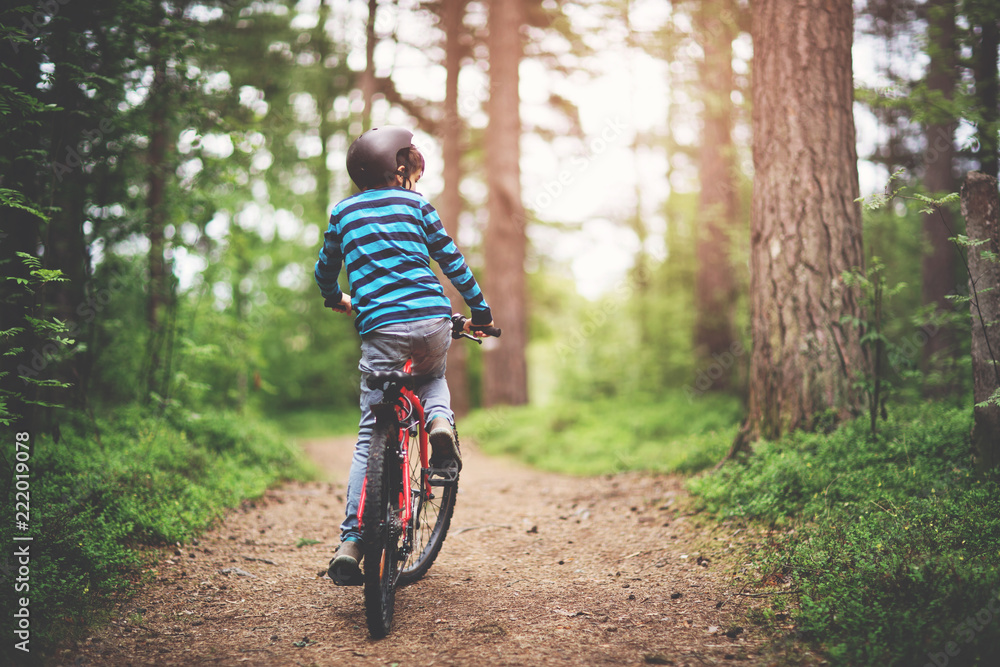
x,y
443,475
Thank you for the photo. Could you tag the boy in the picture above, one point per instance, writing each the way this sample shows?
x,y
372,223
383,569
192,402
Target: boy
x,y
387,235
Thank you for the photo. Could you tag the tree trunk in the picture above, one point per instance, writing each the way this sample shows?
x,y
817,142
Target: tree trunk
x,y
715,284
450,203
987,89
806,225
66,247
980,206
156,206
505,379
368,76
325,97
939,156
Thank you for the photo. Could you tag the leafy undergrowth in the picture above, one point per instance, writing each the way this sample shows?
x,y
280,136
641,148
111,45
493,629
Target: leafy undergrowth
x,y
100,493
893,545
668,434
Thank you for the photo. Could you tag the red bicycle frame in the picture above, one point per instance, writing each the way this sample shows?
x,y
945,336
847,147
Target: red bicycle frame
x,y
407,407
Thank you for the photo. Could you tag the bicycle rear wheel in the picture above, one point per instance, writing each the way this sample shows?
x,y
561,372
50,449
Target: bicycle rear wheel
x,y
381,531
432,510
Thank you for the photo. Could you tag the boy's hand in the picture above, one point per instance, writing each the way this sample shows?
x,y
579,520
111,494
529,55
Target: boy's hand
x,y
342,306
476,329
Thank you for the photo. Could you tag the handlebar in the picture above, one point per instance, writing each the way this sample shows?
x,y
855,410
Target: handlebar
x,y
458,329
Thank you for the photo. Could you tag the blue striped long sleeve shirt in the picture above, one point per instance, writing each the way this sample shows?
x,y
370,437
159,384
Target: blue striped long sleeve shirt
x,y
387,237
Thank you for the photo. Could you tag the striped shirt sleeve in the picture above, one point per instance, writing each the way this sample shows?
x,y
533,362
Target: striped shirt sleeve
x,y
331,259
444,251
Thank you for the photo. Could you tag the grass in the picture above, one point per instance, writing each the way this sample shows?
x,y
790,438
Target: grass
x,y
101,494
664,434
892,543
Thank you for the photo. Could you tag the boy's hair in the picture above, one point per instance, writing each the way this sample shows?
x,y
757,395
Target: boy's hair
x,y
409,161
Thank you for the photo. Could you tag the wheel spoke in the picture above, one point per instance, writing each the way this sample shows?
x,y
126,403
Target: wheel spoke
x,y
432,510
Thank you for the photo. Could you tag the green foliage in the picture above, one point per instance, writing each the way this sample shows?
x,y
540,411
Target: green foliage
x,y
14,199
875,292
636,340
37,332
894,238
878,200
102,491
993,399
668,434
891,542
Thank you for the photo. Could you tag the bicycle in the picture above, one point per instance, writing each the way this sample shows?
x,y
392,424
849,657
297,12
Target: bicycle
x,y
406,506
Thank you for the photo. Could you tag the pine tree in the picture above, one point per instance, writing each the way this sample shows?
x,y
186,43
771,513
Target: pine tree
x,y
806,224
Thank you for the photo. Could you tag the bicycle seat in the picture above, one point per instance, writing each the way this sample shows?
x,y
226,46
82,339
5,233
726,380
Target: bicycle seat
x,y
379,379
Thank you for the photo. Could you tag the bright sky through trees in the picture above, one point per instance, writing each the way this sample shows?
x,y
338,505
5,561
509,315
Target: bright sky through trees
x,y
586,186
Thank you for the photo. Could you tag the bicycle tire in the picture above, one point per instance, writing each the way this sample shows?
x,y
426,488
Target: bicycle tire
x,y
433,507
379,533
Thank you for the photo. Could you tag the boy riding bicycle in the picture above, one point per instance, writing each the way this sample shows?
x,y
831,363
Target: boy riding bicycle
x,y
387,235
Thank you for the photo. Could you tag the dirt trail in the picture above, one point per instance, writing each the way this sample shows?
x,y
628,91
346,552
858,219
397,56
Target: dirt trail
x,y
538,569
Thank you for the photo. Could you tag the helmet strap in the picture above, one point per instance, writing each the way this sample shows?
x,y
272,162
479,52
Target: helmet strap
x,y
403,176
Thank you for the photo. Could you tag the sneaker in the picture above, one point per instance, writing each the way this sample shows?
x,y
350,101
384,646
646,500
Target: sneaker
x,y
444,444
345,566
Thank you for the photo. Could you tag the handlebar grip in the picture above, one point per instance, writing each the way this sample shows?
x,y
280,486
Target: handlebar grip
x,y
489,331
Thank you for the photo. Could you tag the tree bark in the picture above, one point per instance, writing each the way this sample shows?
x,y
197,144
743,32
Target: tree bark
x,y
715,284
156,206
70,191
806,225
939,156
980,206
325,97
988,88
450,206
505,376
368,76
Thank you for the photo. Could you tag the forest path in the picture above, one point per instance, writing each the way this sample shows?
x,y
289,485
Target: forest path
x,y
538,569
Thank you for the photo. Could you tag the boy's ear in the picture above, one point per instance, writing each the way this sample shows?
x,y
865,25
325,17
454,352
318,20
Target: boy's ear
x,y
401,177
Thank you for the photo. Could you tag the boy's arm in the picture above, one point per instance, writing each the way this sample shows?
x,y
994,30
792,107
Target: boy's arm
x,y
328,266
444,251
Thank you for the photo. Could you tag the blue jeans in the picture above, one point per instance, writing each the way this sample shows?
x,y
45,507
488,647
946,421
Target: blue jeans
x,y
388,348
